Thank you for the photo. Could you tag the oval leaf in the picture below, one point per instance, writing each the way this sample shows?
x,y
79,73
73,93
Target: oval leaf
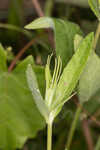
x,y
89,82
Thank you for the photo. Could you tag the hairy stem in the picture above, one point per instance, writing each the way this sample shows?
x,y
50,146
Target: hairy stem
x,y
73,127
97,34
49,137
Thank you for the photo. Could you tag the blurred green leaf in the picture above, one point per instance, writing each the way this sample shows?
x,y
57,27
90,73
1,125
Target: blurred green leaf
x,y
93,104
64,35
20,118
95,6
97,147
3,65
79,3
89,82
15,12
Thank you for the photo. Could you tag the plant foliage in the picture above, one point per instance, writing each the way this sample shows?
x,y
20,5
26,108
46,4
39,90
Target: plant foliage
x,y
20,118
59,86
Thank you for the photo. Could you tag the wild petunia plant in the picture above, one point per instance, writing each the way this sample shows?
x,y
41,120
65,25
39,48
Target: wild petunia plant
x,y
61,84
17,109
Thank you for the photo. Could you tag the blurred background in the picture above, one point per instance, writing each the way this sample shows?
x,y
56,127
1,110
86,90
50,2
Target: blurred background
x,y
14,15
17,13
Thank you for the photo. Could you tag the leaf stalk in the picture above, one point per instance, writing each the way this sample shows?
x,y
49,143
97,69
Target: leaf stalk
x,y
49,136
97,34
73,127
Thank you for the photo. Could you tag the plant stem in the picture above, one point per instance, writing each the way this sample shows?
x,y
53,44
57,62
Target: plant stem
x,y
49,7
97,34
49,137
73,127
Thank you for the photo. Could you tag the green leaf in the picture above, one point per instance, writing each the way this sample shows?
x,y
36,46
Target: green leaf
x,y
15,18
89,82
21,67
95,6
20,118
72,71
3,59
33,85
40,72
93,104
64,32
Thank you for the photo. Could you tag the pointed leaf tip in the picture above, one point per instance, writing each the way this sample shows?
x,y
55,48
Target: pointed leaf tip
x,y
42,22
38,99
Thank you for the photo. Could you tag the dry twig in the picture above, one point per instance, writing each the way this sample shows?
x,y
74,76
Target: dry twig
x,y
38,8
19,55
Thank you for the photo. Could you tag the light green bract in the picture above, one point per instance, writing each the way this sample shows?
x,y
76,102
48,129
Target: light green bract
x,y
60,85
64,32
